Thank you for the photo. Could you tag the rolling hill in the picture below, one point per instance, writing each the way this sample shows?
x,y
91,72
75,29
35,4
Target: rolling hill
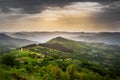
x,y
62,59
74,46
7,42
98,53
107,38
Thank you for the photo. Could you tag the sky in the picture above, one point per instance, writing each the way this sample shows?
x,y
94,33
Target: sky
x,y
60,15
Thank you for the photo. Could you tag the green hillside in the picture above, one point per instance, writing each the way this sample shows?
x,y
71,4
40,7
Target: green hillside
x,y
61,59
76,47
98,53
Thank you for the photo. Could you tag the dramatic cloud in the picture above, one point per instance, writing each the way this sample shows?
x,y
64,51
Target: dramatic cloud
x,y
35,6
52,15
111,13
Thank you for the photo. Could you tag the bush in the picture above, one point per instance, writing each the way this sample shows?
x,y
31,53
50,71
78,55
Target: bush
x,y
9,60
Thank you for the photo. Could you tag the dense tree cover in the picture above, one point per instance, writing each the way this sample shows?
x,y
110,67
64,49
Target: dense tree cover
x,y
28,65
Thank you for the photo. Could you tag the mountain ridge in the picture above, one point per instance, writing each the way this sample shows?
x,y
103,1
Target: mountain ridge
x,y
42,37
7,42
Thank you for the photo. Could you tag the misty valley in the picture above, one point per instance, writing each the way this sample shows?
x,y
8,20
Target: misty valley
x,y
59,56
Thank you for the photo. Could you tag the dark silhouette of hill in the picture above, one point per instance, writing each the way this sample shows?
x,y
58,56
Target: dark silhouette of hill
x,y
7,42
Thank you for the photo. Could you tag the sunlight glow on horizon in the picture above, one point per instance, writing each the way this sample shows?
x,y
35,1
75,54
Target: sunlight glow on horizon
x,y
74,17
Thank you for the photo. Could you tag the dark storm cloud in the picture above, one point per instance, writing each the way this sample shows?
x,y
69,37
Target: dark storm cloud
x,y
35,6
111,13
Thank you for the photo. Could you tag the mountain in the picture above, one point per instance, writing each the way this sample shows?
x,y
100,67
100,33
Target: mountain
x,y
62,59
96,52
99,53
74,46
7,42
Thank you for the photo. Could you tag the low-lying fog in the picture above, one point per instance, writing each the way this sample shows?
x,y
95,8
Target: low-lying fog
x,y
42,37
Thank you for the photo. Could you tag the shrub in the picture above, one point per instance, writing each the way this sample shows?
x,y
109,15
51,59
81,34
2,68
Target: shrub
x,y
8,60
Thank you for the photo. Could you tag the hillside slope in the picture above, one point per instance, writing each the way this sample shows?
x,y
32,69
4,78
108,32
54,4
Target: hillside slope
x,y
99,53
52,61
74,46
7,42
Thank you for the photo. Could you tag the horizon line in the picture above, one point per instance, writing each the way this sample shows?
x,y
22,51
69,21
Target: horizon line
x,y
62,31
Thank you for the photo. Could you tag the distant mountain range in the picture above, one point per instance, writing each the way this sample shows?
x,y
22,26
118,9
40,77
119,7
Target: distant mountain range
x,y
108,38
19,39
7,42
42,37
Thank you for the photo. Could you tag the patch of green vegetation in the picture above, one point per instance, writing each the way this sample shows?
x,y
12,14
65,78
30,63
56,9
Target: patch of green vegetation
x,y
43,63
78,48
